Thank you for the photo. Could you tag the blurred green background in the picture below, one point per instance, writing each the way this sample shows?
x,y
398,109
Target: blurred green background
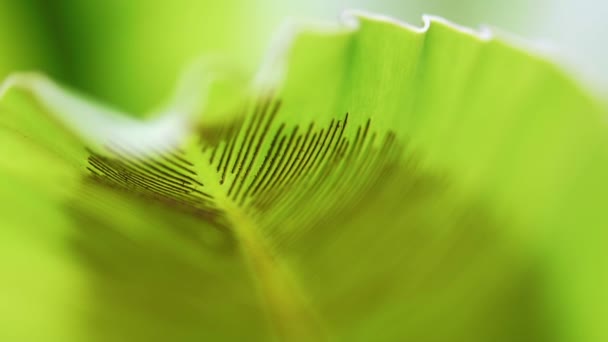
x,y
129,53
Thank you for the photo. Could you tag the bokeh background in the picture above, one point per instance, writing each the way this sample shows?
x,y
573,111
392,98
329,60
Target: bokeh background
x,y
129,53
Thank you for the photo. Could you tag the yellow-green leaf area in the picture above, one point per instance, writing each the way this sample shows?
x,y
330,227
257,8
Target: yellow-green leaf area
x,y
376,182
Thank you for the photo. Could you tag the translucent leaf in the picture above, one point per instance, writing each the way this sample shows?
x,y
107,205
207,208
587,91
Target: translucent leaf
x,y
375,182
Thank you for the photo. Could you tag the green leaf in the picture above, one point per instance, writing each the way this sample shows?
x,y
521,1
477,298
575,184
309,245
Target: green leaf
x,y
376,182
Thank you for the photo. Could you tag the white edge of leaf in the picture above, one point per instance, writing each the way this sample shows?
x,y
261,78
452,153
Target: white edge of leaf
x,y
351,18
104,125
535,48
541,50
274,66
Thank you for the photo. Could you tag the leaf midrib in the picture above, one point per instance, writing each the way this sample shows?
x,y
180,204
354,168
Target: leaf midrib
x,y
285,302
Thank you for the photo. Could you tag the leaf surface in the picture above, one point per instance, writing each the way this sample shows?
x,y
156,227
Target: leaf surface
x,y
397,184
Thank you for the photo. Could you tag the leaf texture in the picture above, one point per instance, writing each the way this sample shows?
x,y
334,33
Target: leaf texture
x,y
398,184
